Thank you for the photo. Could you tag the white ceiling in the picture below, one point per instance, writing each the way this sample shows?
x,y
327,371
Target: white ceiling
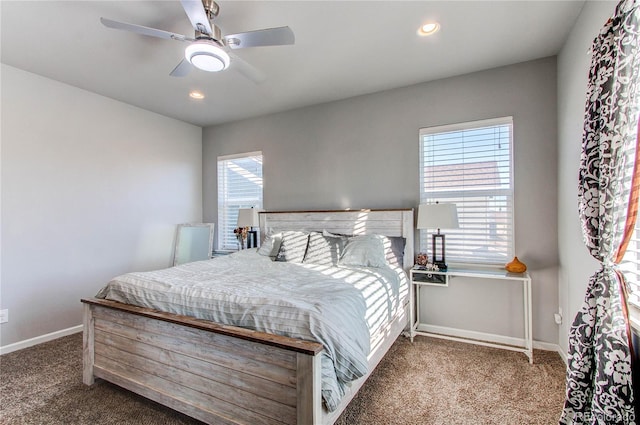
x,y
342,49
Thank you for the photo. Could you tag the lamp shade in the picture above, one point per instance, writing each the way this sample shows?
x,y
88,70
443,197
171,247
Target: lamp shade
x,y
248,217
437,216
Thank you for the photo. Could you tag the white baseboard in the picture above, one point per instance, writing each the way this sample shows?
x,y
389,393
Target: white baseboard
x,y
547,346
39,339
460,333
481,336
563,355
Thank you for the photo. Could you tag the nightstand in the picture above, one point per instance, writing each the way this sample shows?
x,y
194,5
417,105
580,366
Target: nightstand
x,y
221,253
420,279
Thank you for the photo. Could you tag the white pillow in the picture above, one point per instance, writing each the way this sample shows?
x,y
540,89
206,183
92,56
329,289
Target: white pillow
x,y
364,251
271,245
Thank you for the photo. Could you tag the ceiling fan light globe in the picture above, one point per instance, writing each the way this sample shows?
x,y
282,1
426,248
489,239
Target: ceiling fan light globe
x,y
207,62
207,56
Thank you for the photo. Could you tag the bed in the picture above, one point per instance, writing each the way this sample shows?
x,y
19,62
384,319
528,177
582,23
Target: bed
x,y
226,374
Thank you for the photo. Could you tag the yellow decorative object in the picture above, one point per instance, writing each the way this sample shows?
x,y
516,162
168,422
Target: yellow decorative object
x,y
516,266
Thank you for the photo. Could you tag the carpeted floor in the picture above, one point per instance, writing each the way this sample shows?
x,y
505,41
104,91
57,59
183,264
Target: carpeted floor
x,y
431,381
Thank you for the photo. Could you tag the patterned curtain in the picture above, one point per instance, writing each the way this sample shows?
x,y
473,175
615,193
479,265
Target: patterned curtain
x,y
599,387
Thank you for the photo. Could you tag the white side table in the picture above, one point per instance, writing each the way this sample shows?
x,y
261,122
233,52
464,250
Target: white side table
x,y
221,253
420,278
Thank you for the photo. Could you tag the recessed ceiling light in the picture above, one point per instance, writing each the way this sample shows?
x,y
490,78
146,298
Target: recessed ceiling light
x,y
428,29
196,95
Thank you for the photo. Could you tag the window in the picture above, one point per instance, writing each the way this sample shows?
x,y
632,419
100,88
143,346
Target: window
x,y
470,165
239,186
630,264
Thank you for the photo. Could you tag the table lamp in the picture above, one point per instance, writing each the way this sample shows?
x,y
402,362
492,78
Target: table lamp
x,y
248,217
438,216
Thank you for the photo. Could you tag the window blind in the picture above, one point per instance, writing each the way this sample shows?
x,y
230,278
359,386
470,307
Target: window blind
x,y
630,264
240,185
470,165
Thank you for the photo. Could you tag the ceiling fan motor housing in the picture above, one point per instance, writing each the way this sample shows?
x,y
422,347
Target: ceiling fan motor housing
x,y
211,7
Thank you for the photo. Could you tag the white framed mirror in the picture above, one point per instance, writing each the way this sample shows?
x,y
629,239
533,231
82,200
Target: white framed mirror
x,y
194,242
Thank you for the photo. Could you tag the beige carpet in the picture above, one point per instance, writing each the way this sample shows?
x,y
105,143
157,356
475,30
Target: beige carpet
x,y
428,382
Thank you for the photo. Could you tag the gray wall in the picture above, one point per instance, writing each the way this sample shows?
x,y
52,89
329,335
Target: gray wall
x,y
576,265
362,152
91,188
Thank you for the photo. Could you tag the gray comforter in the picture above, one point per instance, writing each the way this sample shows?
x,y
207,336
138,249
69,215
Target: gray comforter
x,y
344,308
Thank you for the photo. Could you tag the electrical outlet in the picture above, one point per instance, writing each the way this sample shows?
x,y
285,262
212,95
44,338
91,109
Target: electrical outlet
x,y
4,316
558,317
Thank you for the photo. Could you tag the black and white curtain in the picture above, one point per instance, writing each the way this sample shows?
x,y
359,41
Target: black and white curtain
x,y
599,386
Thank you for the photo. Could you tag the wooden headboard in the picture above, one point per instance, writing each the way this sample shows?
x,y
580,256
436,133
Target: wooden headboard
x,y
351,222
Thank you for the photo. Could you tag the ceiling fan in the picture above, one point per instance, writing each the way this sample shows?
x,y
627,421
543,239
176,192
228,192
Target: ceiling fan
x,y
209,50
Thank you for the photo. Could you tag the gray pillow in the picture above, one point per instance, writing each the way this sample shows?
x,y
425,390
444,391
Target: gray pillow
x,y
394,250
293,246
364,251
324,250
271,245
393,247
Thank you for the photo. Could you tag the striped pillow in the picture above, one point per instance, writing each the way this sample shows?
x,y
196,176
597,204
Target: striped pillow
x,y
324,250
293,246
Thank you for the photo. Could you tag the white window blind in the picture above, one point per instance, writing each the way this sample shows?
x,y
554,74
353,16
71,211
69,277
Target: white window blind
x,y
240,185
470,165
630,264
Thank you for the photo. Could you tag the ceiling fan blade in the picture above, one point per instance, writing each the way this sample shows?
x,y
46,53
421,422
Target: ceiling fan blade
x,y
139,29
246,69
267,37
197,15
182,69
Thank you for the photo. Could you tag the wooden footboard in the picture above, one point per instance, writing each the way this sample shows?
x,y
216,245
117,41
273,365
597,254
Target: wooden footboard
x,y
215,373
